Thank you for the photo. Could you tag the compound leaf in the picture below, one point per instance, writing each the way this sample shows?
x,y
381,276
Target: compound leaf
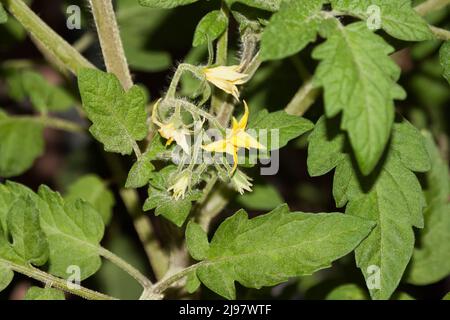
x,y
281,244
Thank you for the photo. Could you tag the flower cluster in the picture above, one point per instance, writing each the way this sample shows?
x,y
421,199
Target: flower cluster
x,y
172,125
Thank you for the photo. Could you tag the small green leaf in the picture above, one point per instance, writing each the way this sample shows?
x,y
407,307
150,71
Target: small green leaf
x,y
263,197
365,95
3,17
92,189
20,144
288,126
197,241
119,118
74,230
165,4
397,17
175,211
29,241
210,27
140,173
291,29
6,276
446,297
192,282
269,5
431,260
444,56
272,248
36,293
347,292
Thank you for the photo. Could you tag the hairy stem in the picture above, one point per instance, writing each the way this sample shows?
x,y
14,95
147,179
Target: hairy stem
x,y
431,5
441,34
182,67
55,282
125,266
157,257
49,40
55,123
110,42
303,99
164,284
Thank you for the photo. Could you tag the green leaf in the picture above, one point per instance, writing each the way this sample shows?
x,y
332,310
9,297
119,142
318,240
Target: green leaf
x,y
210,27
29,241
288,126
404,296
397,17
274,247
409,146
325,147
431,260
165,4
36,293
197,241
291,29
392,196
142,170
269,5
175,211
43,95
263,197
3,17
6,276
347,292
140,173
192,282
92,189
20,144
444,56
446,297
366,91
74,230
119,117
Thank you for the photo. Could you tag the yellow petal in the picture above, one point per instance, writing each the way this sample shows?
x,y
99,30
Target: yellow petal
x,y
243,140
226,86
155,112
235,161
229,73
244,119
217,146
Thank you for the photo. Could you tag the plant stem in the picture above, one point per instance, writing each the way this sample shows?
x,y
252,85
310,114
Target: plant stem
x,y
431,5
441,34
125,266
182,67
219,98
157,257
55,123
303,99
164,284
55,282
110,42
53,44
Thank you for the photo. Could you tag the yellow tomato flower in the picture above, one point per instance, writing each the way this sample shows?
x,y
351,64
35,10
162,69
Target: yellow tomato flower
x,y
236,138
226,78
171,131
